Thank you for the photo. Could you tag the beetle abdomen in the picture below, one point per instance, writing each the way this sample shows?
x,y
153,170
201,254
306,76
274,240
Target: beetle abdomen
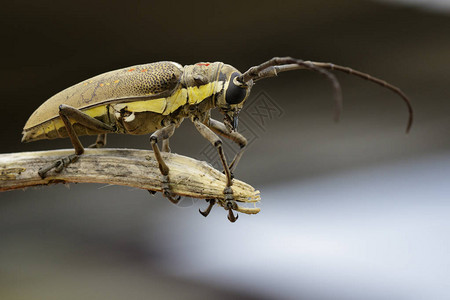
x,y
55,128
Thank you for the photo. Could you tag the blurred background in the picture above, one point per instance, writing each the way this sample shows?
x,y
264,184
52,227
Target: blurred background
x,y
353,210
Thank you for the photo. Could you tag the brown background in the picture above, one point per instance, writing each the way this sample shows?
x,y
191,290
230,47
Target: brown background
x,y
57,242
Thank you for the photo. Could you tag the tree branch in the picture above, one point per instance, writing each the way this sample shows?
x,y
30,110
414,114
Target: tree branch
x,y
136,168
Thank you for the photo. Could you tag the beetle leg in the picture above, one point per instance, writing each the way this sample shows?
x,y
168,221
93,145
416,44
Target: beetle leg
x,y
100,142
164,133
216,142
58,165
207,133
220,128
165,145
68,113
230,206
206,212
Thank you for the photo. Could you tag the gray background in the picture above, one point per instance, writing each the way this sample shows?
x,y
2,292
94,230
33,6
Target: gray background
x,y
351,210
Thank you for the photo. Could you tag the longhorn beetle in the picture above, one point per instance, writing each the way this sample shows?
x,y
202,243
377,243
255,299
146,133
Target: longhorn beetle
x,y
155,98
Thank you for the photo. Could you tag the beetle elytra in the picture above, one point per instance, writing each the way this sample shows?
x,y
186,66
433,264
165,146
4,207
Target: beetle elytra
x,y
155,98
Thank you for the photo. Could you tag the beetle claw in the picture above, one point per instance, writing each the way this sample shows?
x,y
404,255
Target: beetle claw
x,y
206,212
230,206
232,217
172,197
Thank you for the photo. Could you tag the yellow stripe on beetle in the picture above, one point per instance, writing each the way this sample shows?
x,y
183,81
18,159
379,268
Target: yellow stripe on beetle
x,y
154,105
96,111
165,106
178,99
197,94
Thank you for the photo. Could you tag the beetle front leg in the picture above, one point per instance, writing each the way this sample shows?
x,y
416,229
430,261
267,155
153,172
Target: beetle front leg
x,y
220,128
163,134
216,142
68,113
208,134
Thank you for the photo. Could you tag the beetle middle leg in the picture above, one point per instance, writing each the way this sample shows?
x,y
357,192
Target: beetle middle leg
x,y
207,133
68,113
165,145
100,142
164,134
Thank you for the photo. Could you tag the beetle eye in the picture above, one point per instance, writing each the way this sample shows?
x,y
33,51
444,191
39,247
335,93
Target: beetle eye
x,y
235,94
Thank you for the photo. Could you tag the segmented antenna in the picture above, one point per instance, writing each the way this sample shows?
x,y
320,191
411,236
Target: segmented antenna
x,y
277,65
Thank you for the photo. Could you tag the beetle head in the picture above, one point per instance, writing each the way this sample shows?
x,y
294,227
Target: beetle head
x,y
234,94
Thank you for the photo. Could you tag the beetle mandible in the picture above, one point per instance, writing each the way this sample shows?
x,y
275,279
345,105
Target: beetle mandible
x,y
155,98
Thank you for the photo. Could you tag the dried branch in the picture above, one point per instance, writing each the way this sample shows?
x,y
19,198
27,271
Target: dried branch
x,y
136,168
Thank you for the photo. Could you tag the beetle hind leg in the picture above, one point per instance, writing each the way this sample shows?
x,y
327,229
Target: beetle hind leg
x,y
230,204
68,113
58,165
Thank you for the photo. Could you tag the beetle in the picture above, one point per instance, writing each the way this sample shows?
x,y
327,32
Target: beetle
x,y
155,98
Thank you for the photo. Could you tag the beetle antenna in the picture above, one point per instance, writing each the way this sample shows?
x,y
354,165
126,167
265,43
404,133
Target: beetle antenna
x,y
378,81
277,65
